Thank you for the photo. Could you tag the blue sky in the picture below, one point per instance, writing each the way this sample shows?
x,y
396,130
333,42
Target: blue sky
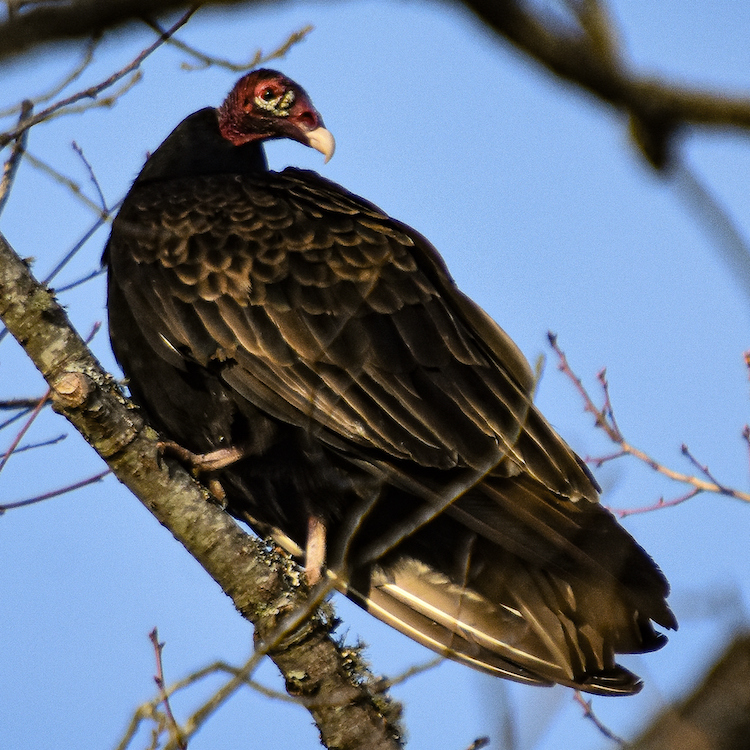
x,y
544,214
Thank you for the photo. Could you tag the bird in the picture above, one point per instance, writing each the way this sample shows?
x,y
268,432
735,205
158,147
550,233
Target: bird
x,y
312,358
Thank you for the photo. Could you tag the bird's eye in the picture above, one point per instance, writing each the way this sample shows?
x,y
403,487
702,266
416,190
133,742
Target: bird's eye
x,y
274,100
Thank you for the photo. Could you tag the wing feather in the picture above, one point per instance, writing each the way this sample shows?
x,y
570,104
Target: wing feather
x,y
348,317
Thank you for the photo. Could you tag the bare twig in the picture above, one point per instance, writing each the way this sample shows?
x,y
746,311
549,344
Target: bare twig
x,y
65,260
92,176
11,166
660,503
94,330
86,59
55,493
106,101
604,419
75,73
242,672
21,414
66,182
34,414
288,627
142,713
412,671
84,239
701,467
208,60
65,105
175,730
242,676
41,444
588,713
19,403
589,406
200,716
78,282
148,710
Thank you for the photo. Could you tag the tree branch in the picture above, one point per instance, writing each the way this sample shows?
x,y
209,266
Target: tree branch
x,y
92,92
264,585
586,56
716,716
45,21
582,52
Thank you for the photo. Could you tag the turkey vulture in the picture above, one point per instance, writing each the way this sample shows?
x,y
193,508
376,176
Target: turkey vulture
x,y
316,360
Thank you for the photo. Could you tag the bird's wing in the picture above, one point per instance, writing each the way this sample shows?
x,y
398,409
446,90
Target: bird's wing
x,y
322,311
315,307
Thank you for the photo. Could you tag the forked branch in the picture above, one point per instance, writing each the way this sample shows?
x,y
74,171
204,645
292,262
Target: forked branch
x,y
605,420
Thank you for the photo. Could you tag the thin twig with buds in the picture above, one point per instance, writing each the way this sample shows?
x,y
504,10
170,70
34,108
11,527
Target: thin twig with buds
x,y
588,713
605,419
159,680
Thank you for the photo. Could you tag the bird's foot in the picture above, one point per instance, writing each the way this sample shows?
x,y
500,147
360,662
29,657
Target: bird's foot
x,y
201,463
205,463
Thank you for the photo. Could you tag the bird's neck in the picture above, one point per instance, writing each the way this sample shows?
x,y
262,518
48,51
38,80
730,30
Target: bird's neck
x,y
196,147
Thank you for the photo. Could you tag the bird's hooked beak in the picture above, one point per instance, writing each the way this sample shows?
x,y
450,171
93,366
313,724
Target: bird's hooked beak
x,y
322,140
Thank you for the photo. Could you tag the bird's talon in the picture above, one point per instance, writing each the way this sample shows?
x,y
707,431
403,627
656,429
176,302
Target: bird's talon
x,y
217,491
315,552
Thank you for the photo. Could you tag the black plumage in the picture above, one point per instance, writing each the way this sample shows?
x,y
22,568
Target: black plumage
x,y
345,389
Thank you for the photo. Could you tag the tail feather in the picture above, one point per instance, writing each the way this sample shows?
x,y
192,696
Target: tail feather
x,y
531,644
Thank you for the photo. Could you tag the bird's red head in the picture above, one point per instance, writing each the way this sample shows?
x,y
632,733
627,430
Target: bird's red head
x,y
265,104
